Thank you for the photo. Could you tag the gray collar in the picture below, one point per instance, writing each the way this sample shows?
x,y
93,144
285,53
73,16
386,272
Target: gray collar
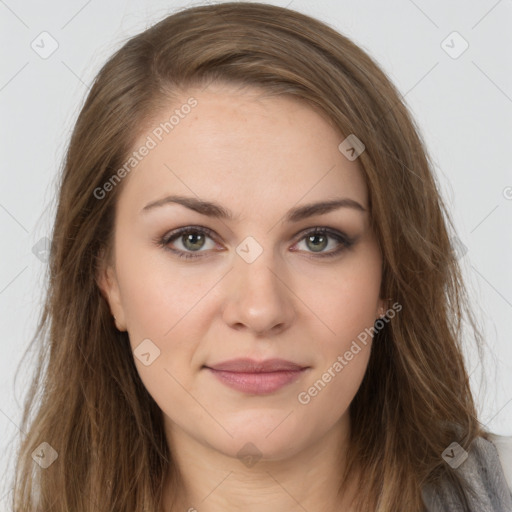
x,y
483,473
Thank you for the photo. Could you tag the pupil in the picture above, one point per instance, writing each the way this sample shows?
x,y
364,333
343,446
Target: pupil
x,y
191,238
312,237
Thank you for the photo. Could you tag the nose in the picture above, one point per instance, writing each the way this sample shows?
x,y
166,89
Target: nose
x,y
258,299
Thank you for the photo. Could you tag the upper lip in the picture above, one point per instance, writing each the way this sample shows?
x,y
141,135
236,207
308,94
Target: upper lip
x,y
246,365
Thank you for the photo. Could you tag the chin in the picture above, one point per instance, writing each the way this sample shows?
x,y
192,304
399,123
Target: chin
x,y
269,440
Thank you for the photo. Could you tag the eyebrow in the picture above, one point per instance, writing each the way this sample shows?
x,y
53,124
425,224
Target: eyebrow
x,y
215,210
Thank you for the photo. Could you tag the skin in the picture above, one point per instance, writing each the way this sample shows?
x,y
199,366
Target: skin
x,y
259,157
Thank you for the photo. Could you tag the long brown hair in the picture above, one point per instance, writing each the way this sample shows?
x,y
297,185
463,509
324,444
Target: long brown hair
x,y
93,409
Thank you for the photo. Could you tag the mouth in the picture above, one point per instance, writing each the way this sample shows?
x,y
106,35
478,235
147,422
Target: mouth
x,y
257,377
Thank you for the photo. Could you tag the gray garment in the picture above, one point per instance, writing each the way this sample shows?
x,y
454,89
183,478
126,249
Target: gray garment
x,y
483,471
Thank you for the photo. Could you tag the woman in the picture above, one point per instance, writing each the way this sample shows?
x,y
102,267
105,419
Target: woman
x,y
253,300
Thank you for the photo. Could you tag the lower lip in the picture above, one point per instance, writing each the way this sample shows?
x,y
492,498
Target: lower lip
x,y
257,383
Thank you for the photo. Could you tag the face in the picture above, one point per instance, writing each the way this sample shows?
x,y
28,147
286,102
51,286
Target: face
x,y
194,288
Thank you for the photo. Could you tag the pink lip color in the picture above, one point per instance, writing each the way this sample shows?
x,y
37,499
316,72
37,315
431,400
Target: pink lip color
x,y
257,383
255,377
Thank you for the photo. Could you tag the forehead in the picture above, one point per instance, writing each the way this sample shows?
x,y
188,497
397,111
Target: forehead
x,y
243,148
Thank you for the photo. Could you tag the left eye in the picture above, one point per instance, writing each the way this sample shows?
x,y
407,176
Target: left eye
x,y
193,239
318,240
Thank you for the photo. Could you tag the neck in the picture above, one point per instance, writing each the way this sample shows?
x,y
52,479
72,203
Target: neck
x,y
211,481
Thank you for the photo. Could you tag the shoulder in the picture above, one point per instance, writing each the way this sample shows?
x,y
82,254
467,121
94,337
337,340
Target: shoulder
x,y
503,445
485,474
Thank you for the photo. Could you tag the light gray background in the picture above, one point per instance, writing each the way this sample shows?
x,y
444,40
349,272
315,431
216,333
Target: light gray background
x,y
462,105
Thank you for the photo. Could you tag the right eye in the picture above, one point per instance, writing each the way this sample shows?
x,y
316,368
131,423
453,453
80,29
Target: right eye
x,y
191,238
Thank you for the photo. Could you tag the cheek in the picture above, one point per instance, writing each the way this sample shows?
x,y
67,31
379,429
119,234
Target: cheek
x,y
346,301
331,387
157,294
348,307
160,303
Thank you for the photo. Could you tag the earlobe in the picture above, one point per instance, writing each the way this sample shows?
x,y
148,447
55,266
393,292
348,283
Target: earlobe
x,y
383,305
106,280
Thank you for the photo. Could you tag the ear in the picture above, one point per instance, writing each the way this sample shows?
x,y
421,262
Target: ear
x,y
107,282
382,308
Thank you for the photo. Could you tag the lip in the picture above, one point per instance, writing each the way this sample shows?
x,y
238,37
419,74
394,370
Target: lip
x,y
247,365
257,377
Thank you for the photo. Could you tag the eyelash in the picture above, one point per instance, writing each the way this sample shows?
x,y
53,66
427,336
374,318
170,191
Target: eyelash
x,y
164,241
